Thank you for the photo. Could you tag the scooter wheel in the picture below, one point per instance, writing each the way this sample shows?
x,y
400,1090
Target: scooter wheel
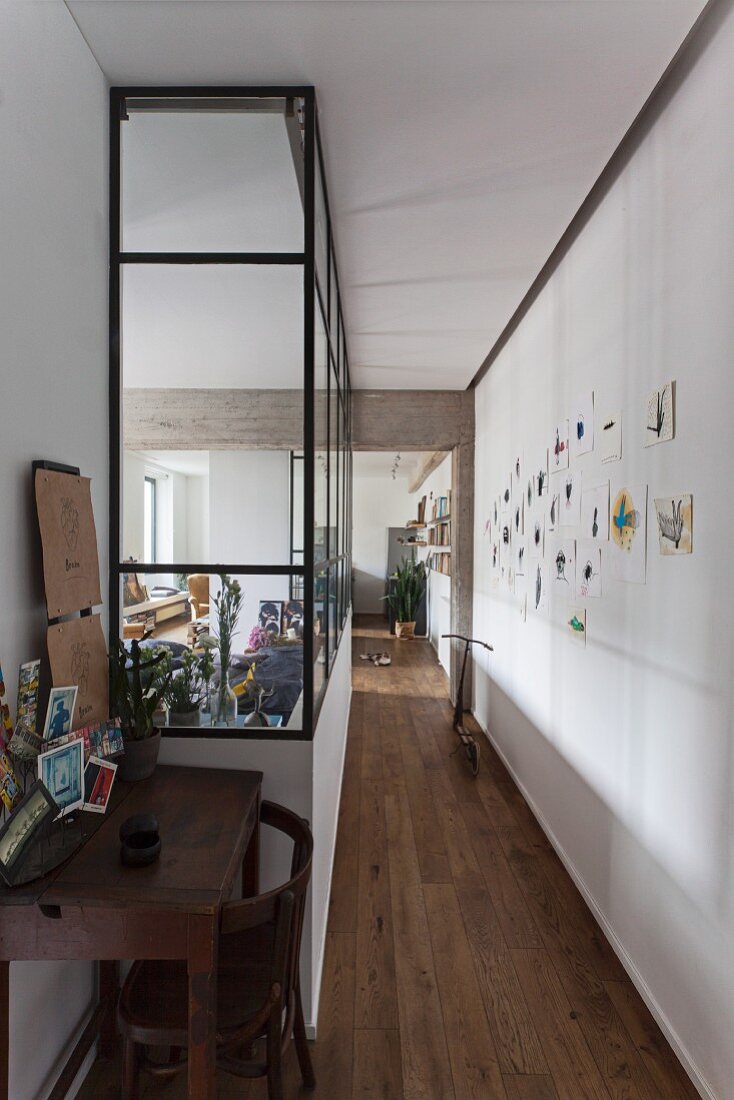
x,y
472,752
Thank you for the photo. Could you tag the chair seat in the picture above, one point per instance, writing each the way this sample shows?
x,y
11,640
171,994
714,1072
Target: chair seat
x,y
154,1001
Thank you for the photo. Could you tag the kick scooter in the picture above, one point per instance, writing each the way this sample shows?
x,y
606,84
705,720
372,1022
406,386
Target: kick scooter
x,y
467,742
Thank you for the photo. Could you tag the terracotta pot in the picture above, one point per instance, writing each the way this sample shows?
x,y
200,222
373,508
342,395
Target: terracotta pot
x,y
405,630
140,758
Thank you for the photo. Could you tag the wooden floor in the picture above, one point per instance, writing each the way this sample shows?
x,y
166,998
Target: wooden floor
x,y
461,961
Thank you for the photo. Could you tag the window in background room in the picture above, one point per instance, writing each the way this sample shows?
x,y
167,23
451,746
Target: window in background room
x,y
149,519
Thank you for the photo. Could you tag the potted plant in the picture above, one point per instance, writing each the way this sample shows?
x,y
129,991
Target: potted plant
x,y
184,692
406,592
137,689
227,604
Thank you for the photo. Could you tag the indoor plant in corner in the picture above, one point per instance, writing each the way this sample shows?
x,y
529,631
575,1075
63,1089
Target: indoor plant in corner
x,y
137,690
408,586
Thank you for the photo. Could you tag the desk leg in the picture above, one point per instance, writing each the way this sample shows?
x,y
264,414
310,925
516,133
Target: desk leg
x,y
109,988
202,971
4,1030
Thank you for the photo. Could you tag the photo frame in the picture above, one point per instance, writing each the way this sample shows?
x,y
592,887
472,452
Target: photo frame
x,y
293,617
60,712
99,775
270,616
19,835
61,769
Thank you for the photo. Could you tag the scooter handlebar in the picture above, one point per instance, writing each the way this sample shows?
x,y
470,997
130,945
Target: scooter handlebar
x,y
470,641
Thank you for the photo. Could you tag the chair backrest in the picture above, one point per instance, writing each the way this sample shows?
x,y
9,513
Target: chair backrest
x,y
198,584
285,905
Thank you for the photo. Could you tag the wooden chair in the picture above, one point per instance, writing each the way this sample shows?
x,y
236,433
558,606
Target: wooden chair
x,y
198,585
258,988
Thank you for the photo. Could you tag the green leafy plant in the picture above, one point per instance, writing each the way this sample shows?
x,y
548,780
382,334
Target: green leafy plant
x,y
138,690
407,590
185,688
228,604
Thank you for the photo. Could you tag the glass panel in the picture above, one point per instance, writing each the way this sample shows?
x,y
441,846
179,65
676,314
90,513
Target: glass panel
x,y
321,436
320,625
267,643
209,182
321,236
333,300
333,612
334,430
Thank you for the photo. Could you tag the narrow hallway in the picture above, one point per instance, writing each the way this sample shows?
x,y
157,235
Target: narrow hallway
x,y
460,959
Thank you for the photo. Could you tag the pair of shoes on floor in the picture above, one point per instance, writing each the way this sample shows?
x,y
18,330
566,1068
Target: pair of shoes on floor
x,y
377,658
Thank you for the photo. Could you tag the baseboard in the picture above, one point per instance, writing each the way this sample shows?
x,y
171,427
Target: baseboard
x,y
689,1065
311,1025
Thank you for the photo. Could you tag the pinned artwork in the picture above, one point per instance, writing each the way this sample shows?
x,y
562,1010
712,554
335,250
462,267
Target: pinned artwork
x,y
540,588
523,607
541,476
537,537
595,513
507,496
559,447
554,508
495,554
675,524
576,624
611,438
628,527
519,558
78,656
518,517
69,540
660,426
27,710
510,577
518,469
530,495
564,566
270,616
495,512
571,498
582,426
588,571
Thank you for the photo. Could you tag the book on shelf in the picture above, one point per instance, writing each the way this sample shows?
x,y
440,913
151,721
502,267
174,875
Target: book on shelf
x,y
440,535
442,563
422,511
441,506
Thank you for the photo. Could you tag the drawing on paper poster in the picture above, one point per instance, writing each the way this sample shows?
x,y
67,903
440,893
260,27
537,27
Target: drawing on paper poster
x,y
517,469
540,588
559,448
576,624
537,537
660,426
595,513
611,438
541,477
675,523
520,559
571,499
554,509
507,495
582,426
524,607
628,527
564,565
588,572
511,579
530,495
505,534
518,524
495,512
495,555
487,526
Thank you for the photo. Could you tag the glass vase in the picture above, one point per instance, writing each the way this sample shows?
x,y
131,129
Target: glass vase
x,y
223,703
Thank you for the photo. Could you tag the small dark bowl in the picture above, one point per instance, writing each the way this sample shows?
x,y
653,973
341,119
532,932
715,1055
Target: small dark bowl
x,y
140,841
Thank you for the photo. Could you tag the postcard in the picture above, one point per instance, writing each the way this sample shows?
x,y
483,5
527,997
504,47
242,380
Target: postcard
x,y
19,834
99,775
62,771
27,711
6,724
10,790
60,713
25,744
102,739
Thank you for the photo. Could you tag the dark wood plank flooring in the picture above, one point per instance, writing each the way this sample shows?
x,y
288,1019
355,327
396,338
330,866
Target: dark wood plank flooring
x,y
461,962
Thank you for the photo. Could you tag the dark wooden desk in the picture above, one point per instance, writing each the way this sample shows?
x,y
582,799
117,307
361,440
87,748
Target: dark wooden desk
x,y
94,908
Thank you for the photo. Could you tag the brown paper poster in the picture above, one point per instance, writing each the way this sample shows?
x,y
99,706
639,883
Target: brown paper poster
x,y
69,539
78,657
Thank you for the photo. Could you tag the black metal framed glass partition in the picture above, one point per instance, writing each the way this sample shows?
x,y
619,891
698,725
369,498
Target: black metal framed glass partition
x,y
230,400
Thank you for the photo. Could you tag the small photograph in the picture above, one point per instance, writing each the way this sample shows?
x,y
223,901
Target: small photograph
x,y
28,694
10,790
7,725
60,713
25,744
62,771
293,618
270,616
99,775
20,833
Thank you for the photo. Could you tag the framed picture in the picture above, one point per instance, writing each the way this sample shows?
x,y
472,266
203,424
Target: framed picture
x,y
133,592
19,834
99,775
62,771
25,744
60,713
293,617
271,615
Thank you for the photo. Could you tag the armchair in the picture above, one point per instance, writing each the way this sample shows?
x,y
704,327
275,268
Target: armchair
x,y
198,584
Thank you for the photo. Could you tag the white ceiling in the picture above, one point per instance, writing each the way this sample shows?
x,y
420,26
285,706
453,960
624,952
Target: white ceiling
x,y
460,138
380,464
190,463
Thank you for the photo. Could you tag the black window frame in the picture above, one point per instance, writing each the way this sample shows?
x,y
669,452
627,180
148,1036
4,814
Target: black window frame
x,y
297,98
150,480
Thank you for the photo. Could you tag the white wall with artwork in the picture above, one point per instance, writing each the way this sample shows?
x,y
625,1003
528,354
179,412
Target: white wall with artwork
x,y
53,341
609,692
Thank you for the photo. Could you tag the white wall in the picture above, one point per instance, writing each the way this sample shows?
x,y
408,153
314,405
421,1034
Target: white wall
x,y
378,503
625,747
53,350
439,584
